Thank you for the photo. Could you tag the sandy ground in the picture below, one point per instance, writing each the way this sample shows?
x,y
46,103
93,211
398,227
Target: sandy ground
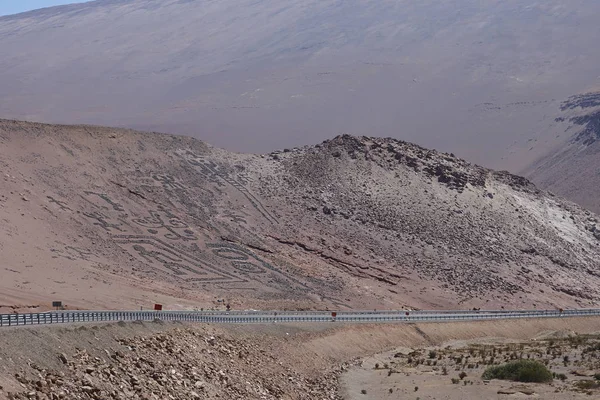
x,y
427,372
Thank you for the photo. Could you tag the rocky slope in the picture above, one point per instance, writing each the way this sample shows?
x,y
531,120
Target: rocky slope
x,y
164,361
184,363
99,217
571,169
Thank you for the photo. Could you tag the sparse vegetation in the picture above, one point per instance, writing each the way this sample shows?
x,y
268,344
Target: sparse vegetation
x,y
592,348
533,361
520,371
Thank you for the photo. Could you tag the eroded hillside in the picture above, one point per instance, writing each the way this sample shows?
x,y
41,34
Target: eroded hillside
x,y
100,217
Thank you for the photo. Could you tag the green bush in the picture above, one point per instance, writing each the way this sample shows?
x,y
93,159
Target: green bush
x,y
520,371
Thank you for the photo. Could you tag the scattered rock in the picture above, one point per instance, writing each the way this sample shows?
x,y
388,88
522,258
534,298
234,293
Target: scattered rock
x,y
63,358
507,391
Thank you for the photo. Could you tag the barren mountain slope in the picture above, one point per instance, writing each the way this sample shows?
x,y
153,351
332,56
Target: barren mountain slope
x,y
480,78
101,217
572,168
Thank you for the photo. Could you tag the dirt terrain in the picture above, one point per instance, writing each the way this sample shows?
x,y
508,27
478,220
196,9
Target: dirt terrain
x,y
105,218
172,360
454,371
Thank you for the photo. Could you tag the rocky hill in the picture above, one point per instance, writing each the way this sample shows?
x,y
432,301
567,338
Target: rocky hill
x,y
101,217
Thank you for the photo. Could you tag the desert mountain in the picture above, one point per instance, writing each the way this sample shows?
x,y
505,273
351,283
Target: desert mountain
x,y
101,217
481,79
571,169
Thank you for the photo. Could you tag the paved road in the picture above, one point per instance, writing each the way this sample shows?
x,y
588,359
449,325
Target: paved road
x,y
262,317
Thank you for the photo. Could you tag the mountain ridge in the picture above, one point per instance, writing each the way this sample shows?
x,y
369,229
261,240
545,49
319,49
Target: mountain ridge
x,y
239,74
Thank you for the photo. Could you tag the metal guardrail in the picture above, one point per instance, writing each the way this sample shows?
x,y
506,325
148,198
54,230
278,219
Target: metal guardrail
x,y
261,317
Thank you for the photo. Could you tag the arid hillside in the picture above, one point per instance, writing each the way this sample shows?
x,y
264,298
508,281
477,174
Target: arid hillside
x,y
480,78
572,168
106,218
